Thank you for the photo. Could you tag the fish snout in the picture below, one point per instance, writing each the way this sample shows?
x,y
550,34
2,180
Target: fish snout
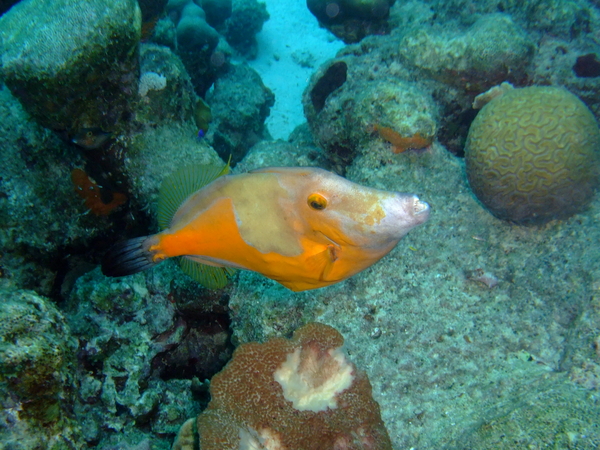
x,y
404,212
420,209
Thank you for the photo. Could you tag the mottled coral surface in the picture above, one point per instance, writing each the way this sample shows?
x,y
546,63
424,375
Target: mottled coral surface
x,y
251,407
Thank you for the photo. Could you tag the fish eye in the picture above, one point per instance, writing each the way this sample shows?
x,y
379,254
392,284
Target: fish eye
x,y
89,134
317,201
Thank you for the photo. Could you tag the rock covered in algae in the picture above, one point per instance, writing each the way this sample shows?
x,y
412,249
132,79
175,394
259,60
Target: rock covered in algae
x,y
347,112
37,352
72,64
352,20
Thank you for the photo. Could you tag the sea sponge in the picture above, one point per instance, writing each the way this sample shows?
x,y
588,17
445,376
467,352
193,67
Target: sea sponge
x,y
532,155
290,394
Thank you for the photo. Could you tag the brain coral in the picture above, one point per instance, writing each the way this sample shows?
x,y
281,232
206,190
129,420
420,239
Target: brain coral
x,y
532,155
287,395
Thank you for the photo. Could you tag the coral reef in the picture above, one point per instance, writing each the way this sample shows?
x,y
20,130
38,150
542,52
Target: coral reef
x,y
346,113
140,361
241,28
165,89
71,64
352,20
36,374
476,333
298,393
492,50
443,350
196,42
240,103
533,155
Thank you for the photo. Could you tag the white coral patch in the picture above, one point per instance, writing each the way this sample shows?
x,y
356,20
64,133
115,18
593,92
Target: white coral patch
x,y
265,439
151,81
312,381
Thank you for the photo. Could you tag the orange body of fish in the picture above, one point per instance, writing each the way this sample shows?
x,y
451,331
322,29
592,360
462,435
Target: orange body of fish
x,y
303,227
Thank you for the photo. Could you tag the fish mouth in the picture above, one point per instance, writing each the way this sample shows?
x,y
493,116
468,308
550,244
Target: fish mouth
x,y
420,207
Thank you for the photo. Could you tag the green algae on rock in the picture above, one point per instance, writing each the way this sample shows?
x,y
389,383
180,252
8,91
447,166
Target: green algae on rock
x,y
533,155
37,353
71,62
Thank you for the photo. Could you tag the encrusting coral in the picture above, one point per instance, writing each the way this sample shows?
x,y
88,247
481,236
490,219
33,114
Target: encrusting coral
x,y
290,394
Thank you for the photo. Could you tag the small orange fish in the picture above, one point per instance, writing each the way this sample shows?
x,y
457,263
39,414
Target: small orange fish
x,y
400,143
303,227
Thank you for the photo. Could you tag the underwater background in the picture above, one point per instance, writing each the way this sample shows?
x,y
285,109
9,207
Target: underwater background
x,y
479,330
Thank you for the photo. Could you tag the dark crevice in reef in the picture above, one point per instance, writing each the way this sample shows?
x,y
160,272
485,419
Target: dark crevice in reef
x,y
334,78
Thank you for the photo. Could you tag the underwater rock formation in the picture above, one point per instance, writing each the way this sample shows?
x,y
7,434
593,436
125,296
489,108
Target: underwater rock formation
x,y
240,103
165,89
346,113
37,355
141,362
492,50
196,42
40,212
246,21
533,155
281,154
72,65
298,393
155,153
352,20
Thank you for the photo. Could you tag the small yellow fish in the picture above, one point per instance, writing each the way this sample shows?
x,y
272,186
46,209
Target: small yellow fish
x,y
303,227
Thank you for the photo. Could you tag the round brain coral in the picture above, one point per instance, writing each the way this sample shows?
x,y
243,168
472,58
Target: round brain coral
x,y
532,155
288,395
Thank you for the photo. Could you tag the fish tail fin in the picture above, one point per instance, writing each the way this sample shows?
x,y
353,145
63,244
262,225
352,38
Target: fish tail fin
x,y
128,257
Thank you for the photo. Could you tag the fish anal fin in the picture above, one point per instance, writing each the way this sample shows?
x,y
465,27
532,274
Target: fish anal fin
x,y
209,276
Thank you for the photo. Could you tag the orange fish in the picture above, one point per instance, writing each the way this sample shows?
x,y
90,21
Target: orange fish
x,y
400,143
303,227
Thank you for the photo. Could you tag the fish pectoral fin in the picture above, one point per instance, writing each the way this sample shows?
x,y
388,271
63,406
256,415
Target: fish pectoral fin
x,y
322,263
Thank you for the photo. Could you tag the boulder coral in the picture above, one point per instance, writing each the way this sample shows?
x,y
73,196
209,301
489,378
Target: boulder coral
x,y
240,104
290,394
533,154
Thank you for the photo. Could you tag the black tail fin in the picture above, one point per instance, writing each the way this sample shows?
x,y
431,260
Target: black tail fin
x,y
127,257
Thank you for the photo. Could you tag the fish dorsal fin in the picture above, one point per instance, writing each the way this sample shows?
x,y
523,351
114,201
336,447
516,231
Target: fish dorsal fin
x,y
178,186
210,277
